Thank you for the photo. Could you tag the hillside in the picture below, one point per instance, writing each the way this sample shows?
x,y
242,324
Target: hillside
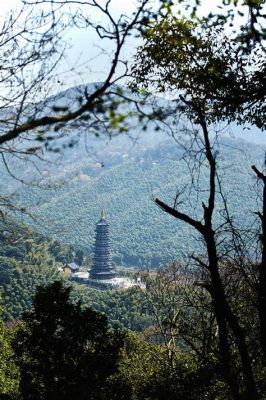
x,y
87,170
125,185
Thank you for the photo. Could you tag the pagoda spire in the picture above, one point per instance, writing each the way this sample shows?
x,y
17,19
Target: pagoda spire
x,y
103,216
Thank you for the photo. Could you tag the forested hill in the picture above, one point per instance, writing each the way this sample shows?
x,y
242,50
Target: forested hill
x,y
125,184
124,175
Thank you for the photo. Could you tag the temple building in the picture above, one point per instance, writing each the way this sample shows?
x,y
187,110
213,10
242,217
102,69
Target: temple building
x,y
102,261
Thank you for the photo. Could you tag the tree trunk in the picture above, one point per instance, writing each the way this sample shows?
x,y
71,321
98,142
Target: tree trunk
x,y
262,268
225,315
262,278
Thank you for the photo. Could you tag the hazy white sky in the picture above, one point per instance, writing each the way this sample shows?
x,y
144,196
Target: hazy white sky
x,y
8,5
123,5
85,61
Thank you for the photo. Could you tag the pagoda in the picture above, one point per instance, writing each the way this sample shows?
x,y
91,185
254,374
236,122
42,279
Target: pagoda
x,y
102,261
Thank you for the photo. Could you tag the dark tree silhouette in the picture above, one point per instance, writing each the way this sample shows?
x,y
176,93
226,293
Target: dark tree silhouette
x,y
64,351
212,78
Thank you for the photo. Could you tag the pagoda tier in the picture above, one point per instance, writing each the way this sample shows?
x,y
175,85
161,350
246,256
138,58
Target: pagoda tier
x,y
102,260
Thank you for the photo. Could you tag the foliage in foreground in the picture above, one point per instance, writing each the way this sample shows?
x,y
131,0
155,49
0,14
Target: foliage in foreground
x,y
9,374
65,351
146,370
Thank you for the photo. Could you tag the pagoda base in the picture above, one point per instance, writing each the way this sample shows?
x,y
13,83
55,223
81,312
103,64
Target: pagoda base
x,y
116,283
104,275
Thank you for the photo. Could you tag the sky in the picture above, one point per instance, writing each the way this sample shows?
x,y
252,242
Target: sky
x,y
88,58
85,61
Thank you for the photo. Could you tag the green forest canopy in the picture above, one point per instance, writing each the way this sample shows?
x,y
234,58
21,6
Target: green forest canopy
x,y
142,235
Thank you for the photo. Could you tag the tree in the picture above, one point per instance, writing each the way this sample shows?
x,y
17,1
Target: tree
x,y
33,42
9,374
64,351
213,75
183,317
146,371
8,267
164,293
19,279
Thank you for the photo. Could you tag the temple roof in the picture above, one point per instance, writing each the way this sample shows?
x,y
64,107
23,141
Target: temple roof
x,y
73,266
